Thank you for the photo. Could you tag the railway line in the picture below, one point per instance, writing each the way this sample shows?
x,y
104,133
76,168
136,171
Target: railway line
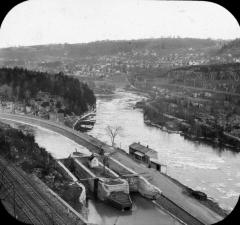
x,y
34,205
184,213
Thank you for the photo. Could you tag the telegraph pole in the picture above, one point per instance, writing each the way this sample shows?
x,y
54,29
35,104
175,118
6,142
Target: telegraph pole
x,y
14,201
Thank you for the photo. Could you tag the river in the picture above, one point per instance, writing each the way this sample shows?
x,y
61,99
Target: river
x,y
143,211
199,166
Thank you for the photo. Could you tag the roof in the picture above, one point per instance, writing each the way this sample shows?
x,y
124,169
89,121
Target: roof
x,y
91,157
141,148
139,153
155,161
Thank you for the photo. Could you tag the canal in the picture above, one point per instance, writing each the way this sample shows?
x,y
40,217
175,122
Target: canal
x,y
199,166
143,211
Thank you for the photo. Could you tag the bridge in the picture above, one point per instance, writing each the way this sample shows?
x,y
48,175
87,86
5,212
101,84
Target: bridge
x,y
82,118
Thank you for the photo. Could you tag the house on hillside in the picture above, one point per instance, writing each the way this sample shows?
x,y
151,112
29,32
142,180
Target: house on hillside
x,y
142,153
52,116
60,116
29,109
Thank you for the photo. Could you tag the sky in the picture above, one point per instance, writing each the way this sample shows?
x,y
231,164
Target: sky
x,y
78,21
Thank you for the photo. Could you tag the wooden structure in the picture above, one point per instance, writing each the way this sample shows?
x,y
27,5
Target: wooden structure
x,y
142,153
157,165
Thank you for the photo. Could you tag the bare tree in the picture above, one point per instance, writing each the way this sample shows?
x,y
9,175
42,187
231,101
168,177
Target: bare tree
x,y
112,132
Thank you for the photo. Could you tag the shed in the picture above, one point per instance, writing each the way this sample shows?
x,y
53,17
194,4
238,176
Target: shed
x,y
141,152
155,164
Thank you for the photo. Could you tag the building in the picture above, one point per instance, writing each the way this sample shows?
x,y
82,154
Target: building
x,y
53,116
60,117
142,153
155,164
28,109
93,161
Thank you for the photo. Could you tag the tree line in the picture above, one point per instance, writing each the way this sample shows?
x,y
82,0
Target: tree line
x,y
26,84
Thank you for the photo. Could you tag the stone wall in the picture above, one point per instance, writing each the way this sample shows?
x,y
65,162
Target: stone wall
x,y
146,189
136,182
82,172
68,175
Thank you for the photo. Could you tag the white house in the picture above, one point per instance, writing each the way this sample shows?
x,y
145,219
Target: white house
x,y
93,161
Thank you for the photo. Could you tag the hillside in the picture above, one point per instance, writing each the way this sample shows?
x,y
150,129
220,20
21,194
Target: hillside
x,y
232,47
23,86
75,51
219,77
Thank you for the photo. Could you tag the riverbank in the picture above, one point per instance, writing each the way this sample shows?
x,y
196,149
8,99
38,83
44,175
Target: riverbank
x,y
169,188
223,142
210,203
193,130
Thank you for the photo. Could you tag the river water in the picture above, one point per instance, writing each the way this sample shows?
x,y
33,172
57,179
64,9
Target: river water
x,y
143,211
201,167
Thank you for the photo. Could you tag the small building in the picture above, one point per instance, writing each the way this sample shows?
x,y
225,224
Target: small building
x,y
43,114
93,161
142,153
60,117
28,108
154,163
53,116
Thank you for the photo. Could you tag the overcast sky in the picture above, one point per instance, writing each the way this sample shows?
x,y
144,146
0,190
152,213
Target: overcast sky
x,y
75,21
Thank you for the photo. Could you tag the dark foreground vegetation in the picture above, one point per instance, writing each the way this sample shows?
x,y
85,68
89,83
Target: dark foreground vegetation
x,y
19,148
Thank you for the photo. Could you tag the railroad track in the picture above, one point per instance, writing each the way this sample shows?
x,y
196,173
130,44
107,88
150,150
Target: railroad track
x,y
21,209
21,205
165,201
27,210
37,209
